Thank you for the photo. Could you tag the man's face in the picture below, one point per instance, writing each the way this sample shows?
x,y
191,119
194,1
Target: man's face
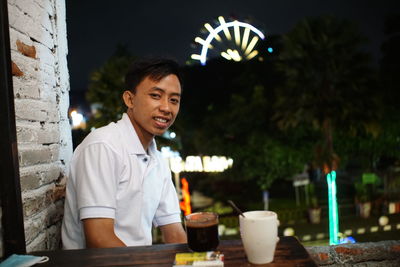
x,y
154,106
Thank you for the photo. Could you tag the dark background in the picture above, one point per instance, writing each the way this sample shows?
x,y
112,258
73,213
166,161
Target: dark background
x,y
95,28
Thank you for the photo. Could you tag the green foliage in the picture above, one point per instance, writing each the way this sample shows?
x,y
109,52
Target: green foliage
x,y
244,131
106,87
220,208
369,150
329,82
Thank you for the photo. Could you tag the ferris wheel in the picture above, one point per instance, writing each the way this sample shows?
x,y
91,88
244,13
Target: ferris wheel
x,y
234,40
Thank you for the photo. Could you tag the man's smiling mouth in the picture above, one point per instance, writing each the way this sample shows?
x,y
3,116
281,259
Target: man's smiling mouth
x,y
162,120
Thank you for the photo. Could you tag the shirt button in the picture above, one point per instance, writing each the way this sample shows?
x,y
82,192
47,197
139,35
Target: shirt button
x,y
145,159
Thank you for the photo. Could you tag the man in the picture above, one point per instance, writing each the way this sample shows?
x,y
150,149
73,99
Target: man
x,y
119,185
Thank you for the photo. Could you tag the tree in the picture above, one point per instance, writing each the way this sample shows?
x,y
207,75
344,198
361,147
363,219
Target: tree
x,y
228,112
106,87
329,83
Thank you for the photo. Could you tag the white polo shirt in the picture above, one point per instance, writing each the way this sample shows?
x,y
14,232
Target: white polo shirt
x,y
111,176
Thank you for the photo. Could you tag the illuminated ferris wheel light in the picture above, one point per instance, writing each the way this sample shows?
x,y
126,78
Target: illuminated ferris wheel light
x,y
245,38
234,54
252,54
195,57
251,45
237,34
225,29
212,32
202,42
239,50
226,56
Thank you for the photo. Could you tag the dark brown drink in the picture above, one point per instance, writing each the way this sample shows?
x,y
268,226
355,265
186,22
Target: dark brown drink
x,y
202,231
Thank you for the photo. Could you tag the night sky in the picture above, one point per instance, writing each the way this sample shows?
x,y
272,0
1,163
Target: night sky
x,y
168,27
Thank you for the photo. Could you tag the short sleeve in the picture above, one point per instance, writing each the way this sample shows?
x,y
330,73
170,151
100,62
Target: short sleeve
x,y
168,210
96,170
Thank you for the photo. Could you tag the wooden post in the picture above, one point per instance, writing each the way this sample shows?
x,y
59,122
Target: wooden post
x,y
10,189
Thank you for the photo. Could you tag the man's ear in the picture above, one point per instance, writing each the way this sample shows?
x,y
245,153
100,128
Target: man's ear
x,y
128,98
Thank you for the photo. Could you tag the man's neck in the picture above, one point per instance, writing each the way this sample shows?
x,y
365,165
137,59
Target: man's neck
x,y
144,137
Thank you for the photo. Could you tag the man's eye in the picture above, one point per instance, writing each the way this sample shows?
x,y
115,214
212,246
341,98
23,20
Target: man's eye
x,y
174,100
157,96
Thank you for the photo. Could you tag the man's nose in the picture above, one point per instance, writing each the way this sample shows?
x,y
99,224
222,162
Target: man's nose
x,y
165,105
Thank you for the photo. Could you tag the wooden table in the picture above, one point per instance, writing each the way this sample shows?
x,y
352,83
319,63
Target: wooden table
x,y
289,252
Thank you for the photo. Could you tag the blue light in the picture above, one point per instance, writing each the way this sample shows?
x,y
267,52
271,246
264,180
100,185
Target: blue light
x,y
270,49
347,240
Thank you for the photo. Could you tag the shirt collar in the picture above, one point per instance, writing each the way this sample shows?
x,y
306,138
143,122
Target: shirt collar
x,y
134,146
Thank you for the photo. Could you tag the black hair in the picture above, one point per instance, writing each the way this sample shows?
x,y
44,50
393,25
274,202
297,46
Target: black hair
x,y
154,68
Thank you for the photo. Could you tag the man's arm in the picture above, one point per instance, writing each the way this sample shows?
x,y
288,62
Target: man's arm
x,y
173,233
99,233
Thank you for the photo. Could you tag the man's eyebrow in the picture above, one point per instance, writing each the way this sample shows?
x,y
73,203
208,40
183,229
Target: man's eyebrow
x,y
163,91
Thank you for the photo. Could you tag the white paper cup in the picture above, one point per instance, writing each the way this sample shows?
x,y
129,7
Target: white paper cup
x,y
259,233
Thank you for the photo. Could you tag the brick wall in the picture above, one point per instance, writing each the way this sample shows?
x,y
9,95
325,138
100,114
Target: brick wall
x,y
383,253
41,84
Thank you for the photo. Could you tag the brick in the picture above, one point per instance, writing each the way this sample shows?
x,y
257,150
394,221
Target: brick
x,y
321,255
15,70
29,66
64,106
36,110
36,154
34,132
39,243
47,22
16,35
37,200
350,251
26,88
48,134
45,55
55,151
34,226
28,8
66,141
13,14
47,69
47,6
33,177
29,179
49,95
26,50
395,248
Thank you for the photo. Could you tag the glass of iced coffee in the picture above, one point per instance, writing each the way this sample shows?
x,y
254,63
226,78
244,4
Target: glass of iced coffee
x,y
202,231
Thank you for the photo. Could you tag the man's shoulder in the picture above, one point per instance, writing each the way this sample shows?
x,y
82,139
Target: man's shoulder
x,y
108,135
